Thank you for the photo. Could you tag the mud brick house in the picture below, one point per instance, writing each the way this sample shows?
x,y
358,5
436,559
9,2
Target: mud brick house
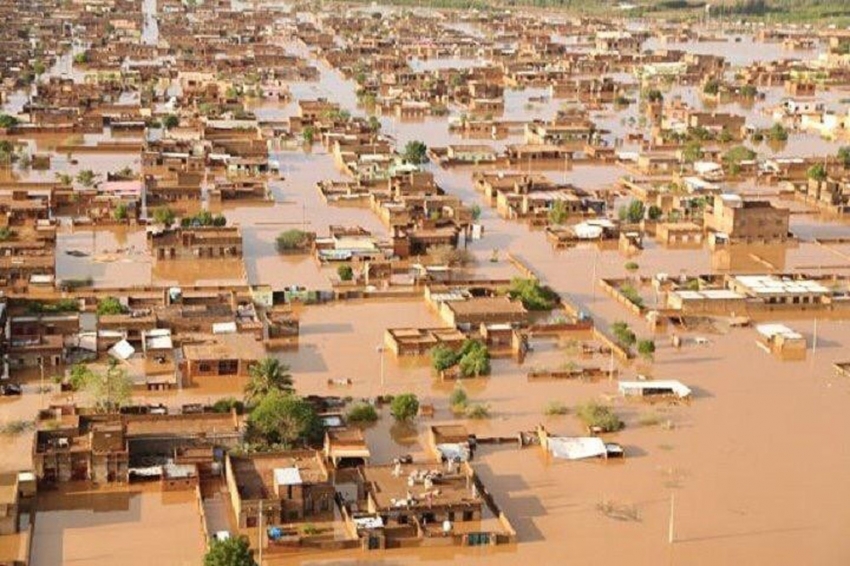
x,y
291,486
225,355
192,243
748,220
70,446
9,496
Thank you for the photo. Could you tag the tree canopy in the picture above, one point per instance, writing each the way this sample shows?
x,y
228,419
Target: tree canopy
x,y
404,407
284,419
267,375
233,551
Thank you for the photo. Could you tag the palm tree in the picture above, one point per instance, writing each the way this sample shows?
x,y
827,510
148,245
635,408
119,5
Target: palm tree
x,y
267,375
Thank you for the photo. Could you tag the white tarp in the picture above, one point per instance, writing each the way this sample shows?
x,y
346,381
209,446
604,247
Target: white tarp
x,y
224,328
454,451
123,350
576,448
677,388
287,476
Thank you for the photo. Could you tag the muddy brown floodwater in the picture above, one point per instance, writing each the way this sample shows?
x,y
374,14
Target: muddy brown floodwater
x,y
757,462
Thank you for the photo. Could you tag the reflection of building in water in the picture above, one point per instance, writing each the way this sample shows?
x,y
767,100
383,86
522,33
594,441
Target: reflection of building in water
x,y
749,257
187,243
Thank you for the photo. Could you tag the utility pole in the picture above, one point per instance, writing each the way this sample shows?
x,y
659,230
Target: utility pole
x,y
670,535
260,535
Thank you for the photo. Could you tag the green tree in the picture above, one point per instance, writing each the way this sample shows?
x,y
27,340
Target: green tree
x,y
711,87
234,551
285,419
404,407
558,213
633,212
345,272
7,121
80,375
414,152
654,95
738,154
844,156
81,58
777,133
109,305
654,212
623,334
474,360
64,179
692,151
443,357
646,348
164,215
111,389
267,375
120,212
458,399
534,296
308,134
374,124
817,172
170,121
6,234
291,240
86,178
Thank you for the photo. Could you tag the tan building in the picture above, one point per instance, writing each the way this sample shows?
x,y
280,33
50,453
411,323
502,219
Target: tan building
x,y
748,220
289,485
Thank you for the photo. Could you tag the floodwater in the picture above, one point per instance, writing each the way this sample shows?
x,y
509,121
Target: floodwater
x,y
755,461
137,525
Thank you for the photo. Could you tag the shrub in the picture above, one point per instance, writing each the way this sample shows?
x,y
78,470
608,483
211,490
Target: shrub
x,y
623,334
554,408
646,348
362,413
226,404
596,416
458,400
443,357
474,359
291,240
534,296
632,295
110,305
345,272
478,411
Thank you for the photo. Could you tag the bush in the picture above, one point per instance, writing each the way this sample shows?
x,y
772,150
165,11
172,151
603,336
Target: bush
x,y
596,416
445,254
291,240
623,334
345,272
226,404
646,348
414,152
554,408
478,411
633,213
534,296
110,305
404,407
631,266
362,413
632,295
164,215
817,172
474,359
443,357
458,400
